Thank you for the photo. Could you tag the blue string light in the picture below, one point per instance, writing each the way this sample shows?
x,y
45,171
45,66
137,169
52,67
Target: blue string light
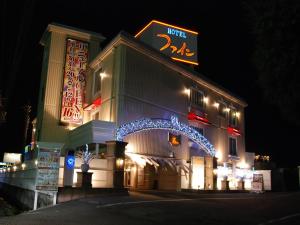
x,y
164,124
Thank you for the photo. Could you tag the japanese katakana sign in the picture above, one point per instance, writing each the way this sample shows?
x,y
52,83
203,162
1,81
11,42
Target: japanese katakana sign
x,y
178,43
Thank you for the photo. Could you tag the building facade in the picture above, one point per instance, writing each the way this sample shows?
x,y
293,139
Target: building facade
x,y
183,130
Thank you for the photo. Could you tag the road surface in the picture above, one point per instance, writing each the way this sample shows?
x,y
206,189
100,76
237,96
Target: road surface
x,y
159,207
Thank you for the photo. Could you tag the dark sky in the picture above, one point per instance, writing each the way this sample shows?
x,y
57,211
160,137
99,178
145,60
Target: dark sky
x,y
226,46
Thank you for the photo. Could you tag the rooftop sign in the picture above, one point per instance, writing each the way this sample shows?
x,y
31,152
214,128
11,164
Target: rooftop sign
x,y
178,43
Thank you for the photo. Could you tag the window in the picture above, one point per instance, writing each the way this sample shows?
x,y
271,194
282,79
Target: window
x,y
200,130
232,147
223,110
233,119
174,139
197,98
97,82
95,116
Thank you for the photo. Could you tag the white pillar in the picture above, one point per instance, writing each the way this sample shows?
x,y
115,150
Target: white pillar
x,y
97,149
54,198
36,193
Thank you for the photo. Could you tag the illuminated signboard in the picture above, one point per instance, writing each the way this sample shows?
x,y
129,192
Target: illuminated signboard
x,y
174,139
48,169
178,43
70,161
14,158
74,81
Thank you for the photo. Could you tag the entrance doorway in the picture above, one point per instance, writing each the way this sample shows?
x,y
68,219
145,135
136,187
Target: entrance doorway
x,y
163,177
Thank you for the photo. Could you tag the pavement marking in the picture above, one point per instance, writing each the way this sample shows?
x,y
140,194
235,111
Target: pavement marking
x,y
138,202
280,219
166,200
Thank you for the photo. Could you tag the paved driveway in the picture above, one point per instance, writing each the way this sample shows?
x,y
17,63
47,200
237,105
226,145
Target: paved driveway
x,y
158,207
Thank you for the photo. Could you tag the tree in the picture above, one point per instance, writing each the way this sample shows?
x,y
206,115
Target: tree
x,y
276,54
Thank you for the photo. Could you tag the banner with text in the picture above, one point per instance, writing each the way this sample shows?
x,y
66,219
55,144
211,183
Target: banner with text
x,y
74,81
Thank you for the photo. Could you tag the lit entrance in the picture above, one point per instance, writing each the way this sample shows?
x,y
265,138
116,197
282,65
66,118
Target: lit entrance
x,y
144,171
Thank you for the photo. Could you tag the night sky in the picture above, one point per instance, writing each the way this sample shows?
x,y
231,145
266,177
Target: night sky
x,y
226,43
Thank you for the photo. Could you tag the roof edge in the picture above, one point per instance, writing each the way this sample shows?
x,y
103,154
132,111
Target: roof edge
x,y
73,31
127,39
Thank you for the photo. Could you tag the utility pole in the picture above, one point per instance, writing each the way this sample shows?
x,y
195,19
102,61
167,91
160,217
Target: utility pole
x,y
27,111
3,111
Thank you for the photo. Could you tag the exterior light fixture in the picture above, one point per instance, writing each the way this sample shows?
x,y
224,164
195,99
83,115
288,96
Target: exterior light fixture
x,y
205,100
70,127
119,163
23,166
215,171
227,109
216,105
187,91
218,156
103,75
36,162
237,114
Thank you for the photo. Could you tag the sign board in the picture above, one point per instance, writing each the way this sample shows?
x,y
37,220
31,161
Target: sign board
x,y
70,162
14,158
257,183
47,169
178,43
174,140
74,81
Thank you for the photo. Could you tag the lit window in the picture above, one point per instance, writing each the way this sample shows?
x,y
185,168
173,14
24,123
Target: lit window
x,y
197,98
200,130
97,82
223,110
232,147
233,119
95,116
174,139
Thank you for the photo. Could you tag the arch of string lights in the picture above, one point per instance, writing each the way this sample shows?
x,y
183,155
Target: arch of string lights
x,y
164,124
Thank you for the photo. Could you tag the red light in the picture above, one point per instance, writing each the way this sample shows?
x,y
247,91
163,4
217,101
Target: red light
x,y
97,102
92,106
233,131
193,116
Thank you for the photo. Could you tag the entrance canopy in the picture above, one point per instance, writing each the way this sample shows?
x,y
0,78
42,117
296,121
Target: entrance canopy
x,y
157,161
164,124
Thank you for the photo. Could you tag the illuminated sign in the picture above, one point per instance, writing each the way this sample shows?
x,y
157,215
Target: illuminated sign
x,y
174,140
74,81
14,158
257,183
202,119
47,169
70,161
233,131
178,43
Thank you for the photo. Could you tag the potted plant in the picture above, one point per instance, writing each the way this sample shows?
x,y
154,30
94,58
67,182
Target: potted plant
x,y
86,157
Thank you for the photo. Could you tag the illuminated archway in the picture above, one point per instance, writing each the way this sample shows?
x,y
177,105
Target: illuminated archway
x,y
164,124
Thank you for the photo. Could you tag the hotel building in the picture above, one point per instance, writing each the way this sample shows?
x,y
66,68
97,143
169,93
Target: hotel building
x,y
182,130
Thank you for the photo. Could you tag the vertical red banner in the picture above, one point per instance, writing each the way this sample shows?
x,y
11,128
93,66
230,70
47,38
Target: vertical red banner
x,y
74,82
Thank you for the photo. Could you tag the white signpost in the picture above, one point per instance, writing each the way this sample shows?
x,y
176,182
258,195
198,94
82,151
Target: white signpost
x,y
257,183
47,170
